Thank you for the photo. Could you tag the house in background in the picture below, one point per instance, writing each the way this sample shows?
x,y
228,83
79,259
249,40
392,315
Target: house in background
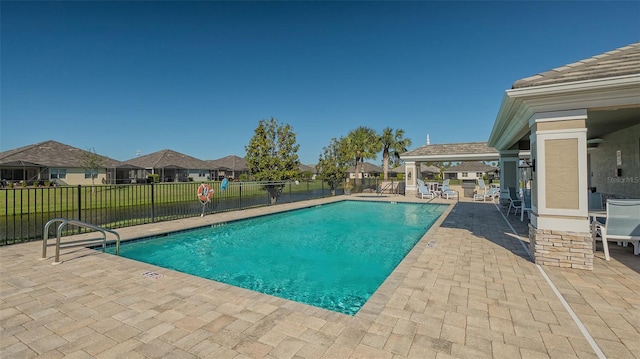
x,y
469,171
309,169
230,167
172,166
60,163
370,171
429,172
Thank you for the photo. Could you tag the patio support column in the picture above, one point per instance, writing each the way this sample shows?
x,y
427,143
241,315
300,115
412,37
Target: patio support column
x,y
410,176
559,231
509,161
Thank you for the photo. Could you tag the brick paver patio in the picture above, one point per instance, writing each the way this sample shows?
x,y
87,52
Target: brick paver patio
x,y
467,290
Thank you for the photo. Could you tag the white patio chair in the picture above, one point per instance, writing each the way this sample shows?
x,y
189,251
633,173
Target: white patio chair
x,y
621,225
482,191
514,201
424,191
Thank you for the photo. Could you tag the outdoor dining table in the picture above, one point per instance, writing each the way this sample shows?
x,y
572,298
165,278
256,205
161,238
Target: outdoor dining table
x,y
433,187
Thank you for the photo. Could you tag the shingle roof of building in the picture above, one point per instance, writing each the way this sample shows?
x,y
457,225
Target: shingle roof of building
x,y
169,159
53,154
451,149
622,61
471,166
429,169
398,169
368,168
229,163
305,168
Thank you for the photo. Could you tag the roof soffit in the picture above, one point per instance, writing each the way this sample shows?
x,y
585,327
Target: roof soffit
x,y
518,105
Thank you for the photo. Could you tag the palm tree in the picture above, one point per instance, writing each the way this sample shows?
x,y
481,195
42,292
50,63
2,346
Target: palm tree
x,y
363,143
393,144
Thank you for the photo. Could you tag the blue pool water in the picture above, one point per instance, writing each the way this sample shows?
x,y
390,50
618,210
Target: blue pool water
x,y
333,256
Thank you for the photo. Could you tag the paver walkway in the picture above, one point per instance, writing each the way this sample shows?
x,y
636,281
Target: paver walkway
x,y
467,290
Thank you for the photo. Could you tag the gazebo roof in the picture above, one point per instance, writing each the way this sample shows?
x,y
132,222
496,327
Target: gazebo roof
x,y
453,152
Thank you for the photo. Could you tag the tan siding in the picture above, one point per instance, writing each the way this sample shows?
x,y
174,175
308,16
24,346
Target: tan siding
x,y
561,180
560,125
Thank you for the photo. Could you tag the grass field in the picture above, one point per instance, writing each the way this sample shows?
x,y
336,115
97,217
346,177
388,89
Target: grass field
x,y
18,201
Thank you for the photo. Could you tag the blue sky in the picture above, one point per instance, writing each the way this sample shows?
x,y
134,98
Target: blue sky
x,y
196,77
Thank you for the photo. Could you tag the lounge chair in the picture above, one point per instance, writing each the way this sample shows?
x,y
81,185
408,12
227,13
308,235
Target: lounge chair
x,y
447,192
424,191
514,201
622,225
482,193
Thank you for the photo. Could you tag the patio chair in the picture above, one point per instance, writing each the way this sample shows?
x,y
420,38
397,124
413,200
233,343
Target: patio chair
x,y
446,191
514,201
424,191
595,201
526,204
493,193
482,191
622,225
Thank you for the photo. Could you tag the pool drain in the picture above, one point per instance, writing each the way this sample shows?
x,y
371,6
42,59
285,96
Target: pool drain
x,y
152,275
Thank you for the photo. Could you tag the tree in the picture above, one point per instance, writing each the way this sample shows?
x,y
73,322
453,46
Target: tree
x,y
333,163
272,156
363,143
91,162
393,144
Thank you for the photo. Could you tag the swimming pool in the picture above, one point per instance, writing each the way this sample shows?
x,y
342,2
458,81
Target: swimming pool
x,y
332,256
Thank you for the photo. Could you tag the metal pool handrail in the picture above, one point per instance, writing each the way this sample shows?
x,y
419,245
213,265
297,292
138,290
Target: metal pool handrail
x,y
74,222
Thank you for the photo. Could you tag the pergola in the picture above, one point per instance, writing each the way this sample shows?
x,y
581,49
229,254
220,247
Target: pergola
x,y
451,152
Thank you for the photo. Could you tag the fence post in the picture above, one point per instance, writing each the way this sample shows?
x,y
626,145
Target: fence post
x,y
152,204
79,206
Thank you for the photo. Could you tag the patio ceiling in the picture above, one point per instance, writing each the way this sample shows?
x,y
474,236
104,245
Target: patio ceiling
x,y
601,122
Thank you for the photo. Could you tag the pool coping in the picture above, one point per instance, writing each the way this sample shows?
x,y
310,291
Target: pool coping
x,y
469,294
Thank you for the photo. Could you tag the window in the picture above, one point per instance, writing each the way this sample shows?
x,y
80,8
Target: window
x,y
88,172
479,174
58,173
465,175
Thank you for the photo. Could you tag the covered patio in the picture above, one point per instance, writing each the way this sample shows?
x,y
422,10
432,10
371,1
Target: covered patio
x,y
581,125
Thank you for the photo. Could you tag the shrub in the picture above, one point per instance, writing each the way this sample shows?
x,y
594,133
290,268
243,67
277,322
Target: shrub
x,y
153,178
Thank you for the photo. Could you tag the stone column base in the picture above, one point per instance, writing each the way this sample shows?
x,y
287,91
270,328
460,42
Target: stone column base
x,y
561,249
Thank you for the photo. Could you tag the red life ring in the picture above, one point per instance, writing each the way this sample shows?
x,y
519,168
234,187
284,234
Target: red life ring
x,y
205,193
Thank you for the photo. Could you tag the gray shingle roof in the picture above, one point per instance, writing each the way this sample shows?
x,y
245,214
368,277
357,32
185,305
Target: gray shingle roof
x,y
471,166
53,154
429,169
452,149
619,62
304,168
169,159
368,168
229,163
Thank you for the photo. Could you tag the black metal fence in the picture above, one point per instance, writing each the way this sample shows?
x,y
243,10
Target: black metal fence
x,y
25,210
